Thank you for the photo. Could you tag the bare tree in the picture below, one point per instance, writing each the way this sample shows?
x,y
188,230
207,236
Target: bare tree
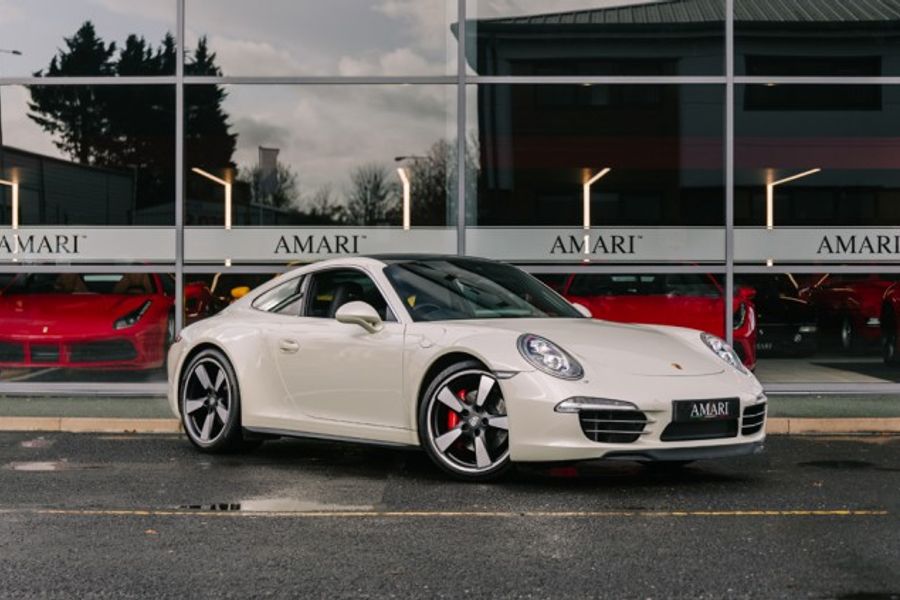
x,y
373,198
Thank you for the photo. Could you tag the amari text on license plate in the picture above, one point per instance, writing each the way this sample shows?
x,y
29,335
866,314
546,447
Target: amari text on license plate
x,y
705,410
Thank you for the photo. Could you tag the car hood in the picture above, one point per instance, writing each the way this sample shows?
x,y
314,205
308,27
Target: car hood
x,y
49,315
622,347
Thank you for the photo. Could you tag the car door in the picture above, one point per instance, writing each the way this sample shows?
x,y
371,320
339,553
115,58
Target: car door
x,y
340,372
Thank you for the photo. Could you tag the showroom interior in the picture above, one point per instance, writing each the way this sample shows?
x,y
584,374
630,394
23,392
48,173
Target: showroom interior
x,y
726,165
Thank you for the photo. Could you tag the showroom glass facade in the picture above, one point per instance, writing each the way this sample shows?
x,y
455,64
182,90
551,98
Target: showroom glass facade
x,y
727,165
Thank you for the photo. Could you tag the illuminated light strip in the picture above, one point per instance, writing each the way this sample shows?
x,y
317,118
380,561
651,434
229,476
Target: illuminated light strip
x,y
457,514
586,200
586,209
14,219
407,192
770,201
227,185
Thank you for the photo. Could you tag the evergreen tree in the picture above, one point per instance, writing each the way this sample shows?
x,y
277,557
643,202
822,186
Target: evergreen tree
x,y
77,116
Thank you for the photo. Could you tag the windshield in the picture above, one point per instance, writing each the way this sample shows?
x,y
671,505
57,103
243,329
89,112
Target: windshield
x,y
439,290
669,284
79,283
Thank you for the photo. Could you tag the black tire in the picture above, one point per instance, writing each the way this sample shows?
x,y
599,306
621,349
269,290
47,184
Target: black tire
x,y
847,335
429,407
222,435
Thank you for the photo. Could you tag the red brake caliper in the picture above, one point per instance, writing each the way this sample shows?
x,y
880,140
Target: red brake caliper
x,y
453,416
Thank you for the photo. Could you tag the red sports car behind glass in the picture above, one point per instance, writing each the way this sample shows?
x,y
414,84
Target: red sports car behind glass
x,y
102,321
684,300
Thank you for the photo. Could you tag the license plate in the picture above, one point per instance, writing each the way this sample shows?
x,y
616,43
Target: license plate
x,y
764,346
718,409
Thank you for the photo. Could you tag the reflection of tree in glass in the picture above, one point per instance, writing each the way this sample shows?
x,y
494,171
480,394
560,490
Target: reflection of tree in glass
x,y
129,126
373,197
277,189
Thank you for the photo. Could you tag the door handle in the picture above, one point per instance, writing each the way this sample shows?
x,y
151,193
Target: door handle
x,y
288,346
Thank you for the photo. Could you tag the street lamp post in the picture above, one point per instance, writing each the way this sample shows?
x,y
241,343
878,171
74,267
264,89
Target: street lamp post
x,y
227,185
407,187
770,200
586,205
14,53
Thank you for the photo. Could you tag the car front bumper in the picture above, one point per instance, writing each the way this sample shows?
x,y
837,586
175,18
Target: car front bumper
x,y
538,433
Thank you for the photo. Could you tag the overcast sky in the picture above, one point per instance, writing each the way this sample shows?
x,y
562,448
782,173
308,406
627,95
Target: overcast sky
x,y
321,131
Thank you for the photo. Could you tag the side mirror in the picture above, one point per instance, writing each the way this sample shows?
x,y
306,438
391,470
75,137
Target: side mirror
x,y
239,292
359,313
584,310
746,293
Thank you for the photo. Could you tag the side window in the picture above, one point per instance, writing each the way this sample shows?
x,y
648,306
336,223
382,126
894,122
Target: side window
x,y
329,290
284,299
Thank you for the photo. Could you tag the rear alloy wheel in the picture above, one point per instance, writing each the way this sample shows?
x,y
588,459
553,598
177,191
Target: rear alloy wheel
x,y
848,335
889,341
463,424
210,403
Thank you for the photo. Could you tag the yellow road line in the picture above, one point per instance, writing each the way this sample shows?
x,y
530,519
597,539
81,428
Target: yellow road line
x,y
454,514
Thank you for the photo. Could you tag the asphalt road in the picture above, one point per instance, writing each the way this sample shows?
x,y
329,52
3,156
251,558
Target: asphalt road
x,y
146,516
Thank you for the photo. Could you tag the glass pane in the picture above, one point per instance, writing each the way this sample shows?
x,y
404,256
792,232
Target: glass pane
x,y
205,294
817,172
334,38
595,37
633,158
694,300
78,38
88,155
94,327
816,38
825,328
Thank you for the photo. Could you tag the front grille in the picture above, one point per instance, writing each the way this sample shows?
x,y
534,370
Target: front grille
x,y
12,352
754,419
700,430
613,426
44,353
105,351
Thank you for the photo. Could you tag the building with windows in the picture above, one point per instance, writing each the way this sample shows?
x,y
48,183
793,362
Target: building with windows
x,y
728,165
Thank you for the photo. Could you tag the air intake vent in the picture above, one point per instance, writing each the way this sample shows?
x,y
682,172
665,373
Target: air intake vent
x,y
613,426
754,419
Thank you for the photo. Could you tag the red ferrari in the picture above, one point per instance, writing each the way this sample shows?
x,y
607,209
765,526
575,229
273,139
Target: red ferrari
x,y
684,300
852,304
101,321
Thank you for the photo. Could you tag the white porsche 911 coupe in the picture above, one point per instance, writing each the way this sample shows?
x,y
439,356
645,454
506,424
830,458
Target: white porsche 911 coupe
x,y
473,360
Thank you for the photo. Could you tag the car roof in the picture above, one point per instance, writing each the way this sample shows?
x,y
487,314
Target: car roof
x,y
422,257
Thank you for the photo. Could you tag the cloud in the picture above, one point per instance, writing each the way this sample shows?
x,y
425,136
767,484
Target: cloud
x,y
402,61
154,10
10,12
246,57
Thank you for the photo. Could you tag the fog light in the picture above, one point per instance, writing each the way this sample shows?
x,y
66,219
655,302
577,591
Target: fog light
x,y
580,403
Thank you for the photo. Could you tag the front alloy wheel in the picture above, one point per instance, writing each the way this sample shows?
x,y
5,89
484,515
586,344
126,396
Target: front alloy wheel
x,y
210,403
463,424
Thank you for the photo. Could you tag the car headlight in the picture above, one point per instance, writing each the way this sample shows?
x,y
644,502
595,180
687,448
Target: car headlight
x,y
721,349
548,357
132,317
740,316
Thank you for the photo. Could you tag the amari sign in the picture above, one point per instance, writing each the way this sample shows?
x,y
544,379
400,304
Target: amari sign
x,y
88,244
284,245
786,244
613,245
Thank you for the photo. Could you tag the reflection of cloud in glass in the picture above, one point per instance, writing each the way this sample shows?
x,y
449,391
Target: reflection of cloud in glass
x,y
339,37
324,132
487,9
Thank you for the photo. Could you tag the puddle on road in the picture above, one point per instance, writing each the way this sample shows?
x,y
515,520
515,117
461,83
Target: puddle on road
x,y
838,464
37,466
848,465
48,466
275,505
40,442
